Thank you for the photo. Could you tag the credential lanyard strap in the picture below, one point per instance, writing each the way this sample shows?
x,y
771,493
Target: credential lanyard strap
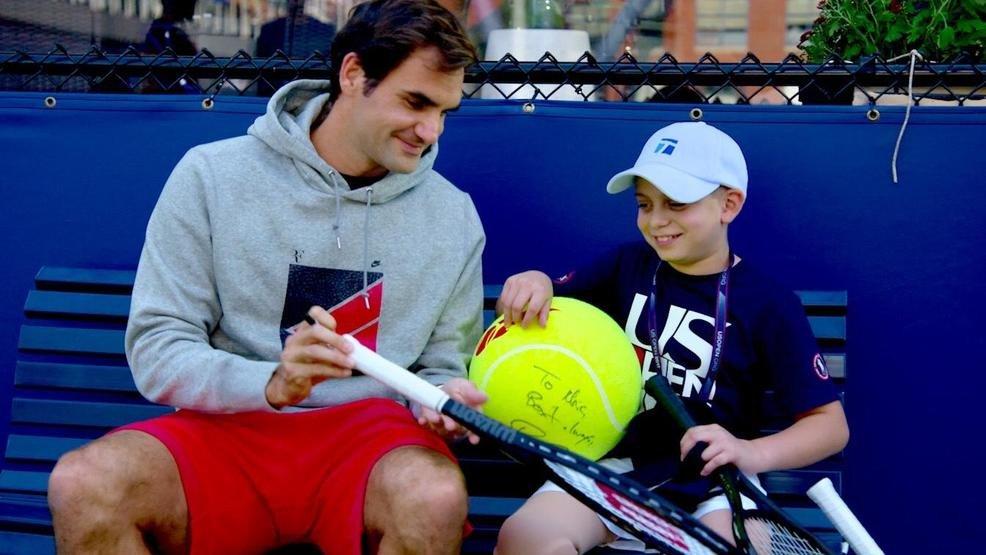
x,y
719,333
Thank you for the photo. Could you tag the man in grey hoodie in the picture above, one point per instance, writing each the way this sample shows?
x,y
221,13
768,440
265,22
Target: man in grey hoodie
x,y
327,218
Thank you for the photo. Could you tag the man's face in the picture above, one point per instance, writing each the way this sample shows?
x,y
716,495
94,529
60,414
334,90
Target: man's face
x,y
405,113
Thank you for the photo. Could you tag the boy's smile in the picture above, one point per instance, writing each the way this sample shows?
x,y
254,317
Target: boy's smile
x,y
665,240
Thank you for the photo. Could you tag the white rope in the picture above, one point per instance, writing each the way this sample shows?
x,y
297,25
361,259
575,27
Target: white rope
x,y
914,55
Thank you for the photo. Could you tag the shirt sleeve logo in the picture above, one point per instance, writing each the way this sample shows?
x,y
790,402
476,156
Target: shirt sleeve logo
x,y
564,279
819,365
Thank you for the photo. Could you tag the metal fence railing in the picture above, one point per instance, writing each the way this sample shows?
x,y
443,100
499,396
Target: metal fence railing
x,y
707,80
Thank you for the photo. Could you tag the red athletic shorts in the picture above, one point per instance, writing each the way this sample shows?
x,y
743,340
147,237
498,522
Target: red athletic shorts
x,y
257,480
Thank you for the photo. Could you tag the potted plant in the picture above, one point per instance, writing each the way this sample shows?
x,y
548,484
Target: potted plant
x,y
941,30
533,14
535,28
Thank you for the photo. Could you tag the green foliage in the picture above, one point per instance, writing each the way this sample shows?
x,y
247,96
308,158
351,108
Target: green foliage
x,y
535,14
940,30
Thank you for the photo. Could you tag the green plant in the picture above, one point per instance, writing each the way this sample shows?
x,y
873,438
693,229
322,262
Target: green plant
x,y
533,14
940,30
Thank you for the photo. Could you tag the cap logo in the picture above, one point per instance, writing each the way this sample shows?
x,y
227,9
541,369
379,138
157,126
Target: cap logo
x,y
665,146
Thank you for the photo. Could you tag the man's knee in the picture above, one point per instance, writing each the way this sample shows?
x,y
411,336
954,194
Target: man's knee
x,y
115,494
112,471
443,493
435,482
83,476
420,478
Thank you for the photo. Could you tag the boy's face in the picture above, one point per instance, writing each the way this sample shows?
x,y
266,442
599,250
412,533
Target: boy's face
x,y
690,237
404,114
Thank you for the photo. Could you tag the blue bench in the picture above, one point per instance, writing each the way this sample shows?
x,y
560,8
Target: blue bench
x,y
72,384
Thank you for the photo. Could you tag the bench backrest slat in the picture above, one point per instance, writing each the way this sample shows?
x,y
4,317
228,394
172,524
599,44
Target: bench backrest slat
x,y
40,448
828,329
815,299
23,481
80,413
71,340
19,542
54,304
85,279
56,375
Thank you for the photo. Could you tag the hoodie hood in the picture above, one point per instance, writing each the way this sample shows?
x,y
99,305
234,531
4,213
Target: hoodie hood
x,y
286,128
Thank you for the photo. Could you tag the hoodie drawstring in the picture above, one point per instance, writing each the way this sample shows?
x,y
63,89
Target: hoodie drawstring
x,y
335,226
366,248
365,293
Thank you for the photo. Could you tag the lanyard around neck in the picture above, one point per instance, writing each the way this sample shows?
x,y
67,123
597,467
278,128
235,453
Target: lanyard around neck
x,y
719,326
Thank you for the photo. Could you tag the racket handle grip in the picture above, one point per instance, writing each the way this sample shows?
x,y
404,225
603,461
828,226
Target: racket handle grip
x,y
692,465
657,387
399,379
825,496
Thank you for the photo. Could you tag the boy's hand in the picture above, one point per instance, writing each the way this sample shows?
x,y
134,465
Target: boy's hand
x,y
723,448
525,296
463,391
312,354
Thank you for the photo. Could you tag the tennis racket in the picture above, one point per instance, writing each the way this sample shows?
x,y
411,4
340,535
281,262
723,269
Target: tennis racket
x,y
825,496
760,531
649,517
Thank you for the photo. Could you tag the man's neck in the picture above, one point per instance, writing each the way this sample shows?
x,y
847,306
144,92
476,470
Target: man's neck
x,y
331,144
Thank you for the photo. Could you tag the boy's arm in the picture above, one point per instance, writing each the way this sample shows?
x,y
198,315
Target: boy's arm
x,y
816,434
526,296
795,370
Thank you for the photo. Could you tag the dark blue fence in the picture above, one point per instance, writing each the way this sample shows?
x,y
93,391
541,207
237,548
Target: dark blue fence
x,y
79,180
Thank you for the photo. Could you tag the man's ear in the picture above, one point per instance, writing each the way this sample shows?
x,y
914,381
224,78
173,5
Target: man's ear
x,y
732,203
352,78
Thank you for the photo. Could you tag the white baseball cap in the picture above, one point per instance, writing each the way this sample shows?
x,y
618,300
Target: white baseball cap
x,y
686,161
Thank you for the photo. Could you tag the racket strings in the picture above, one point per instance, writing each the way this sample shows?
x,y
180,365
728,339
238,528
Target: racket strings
x,y
667,535
773,538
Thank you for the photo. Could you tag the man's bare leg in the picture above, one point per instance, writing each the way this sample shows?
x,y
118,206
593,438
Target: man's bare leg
x,y
119,494
416,502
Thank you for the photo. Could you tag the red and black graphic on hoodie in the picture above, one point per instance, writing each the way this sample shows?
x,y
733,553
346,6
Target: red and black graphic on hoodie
x,y
341,292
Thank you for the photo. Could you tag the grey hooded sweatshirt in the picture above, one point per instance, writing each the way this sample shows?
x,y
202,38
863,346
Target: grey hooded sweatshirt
x,y
250,232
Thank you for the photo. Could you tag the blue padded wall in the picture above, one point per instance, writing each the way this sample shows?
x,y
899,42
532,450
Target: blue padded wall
x,y
79,180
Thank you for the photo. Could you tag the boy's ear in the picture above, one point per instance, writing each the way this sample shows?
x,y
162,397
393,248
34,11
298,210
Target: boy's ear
x,y
732,203
352,78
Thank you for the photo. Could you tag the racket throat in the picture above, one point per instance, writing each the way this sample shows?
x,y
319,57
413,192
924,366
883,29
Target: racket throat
x,y
475,422
740,535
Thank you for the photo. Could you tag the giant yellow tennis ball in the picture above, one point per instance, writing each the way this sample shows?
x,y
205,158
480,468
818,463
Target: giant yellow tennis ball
x,y
575,383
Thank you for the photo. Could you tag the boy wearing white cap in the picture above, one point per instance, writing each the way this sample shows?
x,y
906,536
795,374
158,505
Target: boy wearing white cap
x,y
673,295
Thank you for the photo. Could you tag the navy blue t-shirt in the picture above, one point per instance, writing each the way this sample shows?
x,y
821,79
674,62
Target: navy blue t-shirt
x,y
769,344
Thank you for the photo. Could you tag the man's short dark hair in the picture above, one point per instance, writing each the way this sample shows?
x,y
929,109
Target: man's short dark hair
x,y
384,33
